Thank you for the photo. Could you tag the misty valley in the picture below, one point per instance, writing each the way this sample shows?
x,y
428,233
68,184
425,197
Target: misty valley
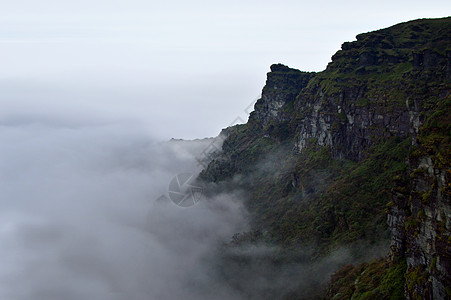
x,y
337,186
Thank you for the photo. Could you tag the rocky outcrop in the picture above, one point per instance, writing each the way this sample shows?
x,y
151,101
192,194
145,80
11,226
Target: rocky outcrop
x,y
349,116
355,120
374,87
275,107
420,222
388,85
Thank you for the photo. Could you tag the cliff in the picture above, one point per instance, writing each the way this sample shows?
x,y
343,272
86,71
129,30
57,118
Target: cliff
x,y
353,156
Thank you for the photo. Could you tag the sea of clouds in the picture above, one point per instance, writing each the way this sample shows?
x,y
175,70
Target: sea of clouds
x,y
79,218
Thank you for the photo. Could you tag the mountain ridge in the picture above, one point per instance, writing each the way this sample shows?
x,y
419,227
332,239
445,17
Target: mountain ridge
x,y
352,156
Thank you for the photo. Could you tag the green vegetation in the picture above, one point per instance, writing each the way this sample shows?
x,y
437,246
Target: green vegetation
x,y
362,102
435,134
336,194
416,276
378,279
333,202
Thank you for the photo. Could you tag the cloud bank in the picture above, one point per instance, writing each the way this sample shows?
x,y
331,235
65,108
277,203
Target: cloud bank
x,y
79,218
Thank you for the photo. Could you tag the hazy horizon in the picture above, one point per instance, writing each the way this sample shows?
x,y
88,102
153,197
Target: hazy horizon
x,y
178,69
89,89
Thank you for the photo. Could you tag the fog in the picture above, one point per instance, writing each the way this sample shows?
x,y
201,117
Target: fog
x,y
79,218
90,93
171,65
86,214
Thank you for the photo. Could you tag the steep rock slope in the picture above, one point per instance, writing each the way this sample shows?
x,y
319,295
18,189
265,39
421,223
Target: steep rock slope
x,y
326,157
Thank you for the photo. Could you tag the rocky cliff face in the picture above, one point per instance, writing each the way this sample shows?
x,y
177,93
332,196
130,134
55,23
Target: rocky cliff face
x,y
282,86
373,131
419,216
374,87
420,224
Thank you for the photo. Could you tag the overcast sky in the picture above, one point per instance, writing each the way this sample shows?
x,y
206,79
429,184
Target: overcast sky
x,y
186,67
88,87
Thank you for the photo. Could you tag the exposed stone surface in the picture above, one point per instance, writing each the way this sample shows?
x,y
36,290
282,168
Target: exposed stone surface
x,y
425,236
349,116
283,84
385,84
